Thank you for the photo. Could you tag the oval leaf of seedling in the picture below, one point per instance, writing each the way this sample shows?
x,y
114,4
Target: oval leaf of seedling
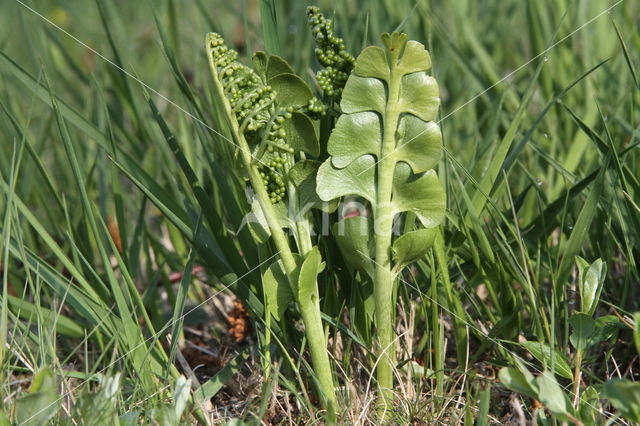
x,y
301,135
291,91
542,352
270,66
353,235
412,246
277,290
303,176
257,223
590,283
553,397
625,396
277,66
41,403
584,332
516,381
260,60
307,287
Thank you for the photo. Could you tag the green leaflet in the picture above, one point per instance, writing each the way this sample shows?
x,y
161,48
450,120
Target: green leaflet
x,y
361,145
411,246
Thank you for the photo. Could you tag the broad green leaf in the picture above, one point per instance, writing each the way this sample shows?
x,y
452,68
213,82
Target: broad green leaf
x,y
291,91
607,327
307,286
277,290
412,246
590,283
301,135
515,380
553,397
99,408
543,353
353,235
41,403
625,396
277,66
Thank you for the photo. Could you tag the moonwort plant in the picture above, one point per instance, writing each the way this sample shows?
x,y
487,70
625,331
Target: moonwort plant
x,y
268,110
383,148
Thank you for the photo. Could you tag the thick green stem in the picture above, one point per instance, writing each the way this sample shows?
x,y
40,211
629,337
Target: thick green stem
x,y
384,277
310,314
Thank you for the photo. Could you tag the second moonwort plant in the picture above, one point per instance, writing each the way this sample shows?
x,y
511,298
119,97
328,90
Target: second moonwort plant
x,y
268,111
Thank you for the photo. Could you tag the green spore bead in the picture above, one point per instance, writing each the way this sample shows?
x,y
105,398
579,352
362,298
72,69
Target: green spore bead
x,y
331,53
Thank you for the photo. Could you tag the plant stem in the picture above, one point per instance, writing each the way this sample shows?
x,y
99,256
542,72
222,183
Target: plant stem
x,y
384,277
310,314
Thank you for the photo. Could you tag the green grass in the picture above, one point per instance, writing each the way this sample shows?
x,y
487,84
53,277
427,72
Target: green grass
x,y
116,183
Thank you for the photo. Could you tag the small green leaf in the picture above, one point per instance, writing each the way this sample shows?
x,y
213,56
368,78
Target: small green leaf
x,y
277,290
307,287
412,246
363,94
591,281
355,179
353,235
625,396
543,353
517,381
584,330
260,60
372,62
420,143
291,91
42,402
553,397
99,408
303,176
424,196
364,127
301,135
257,223
276,66
420,96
